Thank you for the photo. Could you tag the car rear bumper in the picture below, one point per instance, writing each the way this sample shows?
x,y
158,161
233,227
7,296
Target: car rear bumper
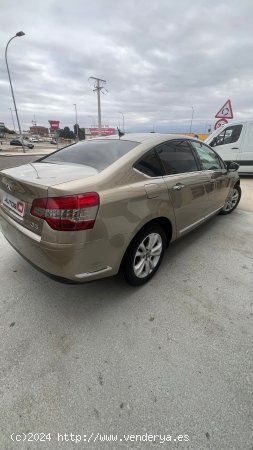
x,y
77,262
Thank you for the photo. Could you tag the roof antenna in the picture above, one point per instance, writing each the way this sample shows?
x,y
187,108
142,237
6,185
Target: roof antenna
x,y
38,177
120,133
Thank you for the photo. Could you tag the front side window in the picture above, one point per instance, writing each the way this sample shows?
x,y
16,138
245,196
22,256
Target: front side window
x,y
208,158
227,136
149,164
98,154
177,157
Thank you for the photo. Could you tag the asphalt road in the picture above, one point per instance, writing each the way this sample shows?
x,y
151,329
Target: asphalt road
x,y
171,358
11,161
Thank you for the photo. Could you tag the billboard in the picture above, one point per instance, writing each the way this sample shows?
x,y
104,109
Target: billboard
x,y
104,131
54,125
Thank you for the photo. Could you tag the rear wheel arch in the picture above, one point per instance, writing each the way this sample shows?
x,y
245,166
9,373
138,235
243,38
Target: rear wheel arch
x,y
164,222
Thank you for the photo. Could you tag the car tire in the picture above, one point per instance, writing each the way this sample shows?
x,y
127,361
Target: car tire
x,y
144,255
232,200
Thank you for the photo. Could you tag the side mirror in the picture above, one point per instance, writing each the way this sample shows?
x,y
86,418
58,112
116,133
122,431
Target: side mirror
x,y
232,166
214,142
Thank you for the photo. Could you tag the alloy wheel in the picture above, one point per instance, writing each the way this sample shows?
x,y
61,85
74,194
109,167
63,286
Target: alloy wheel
x,y
232,200
147,255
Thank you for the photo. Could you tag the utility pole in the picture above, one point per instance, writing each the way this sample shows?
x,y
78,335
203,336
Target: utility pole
x,y
191,119
97,88
154,124
123,121
34,121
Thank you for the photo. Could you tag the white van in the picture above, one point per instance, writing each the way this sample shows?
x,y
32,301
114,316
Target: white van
x,y
234,142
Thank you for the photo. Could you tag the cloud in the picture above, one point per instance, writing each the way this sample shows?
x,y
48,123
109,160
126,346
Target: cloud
x,y
159,59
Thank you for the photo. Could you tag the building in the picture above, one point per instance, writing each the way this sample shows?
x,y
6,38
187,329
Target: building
x,y
38,130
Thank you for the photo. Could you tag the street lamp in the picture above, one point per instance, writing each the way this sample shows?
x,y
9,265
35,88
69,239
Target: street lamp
x,y
191,118
76,124
19,34
123,121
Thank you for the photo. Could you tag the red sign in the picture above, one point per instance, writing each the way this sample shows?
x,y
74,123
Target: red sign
x,y
54,125
220,123
20,207
225,112
104,131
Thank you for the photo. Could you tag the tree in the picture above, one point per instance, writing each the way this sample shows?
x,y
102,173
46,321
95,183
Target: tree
x,y
81,134
66,133
79,131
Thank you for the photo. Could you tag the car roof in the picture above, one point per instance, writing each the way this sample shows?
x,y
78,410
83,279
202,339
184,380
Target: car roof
x,y
145,137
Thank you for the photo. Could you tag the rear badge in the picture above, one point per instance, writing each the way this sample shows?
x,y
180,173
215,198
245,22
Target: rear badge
x,y
34,226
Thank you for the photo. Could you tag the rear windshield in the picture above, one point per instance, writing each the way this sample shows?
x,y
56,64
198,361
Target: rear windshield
x,y
93,153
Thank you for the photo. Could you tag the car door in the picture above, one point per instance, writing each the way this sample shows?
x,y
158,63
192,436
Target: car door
x,y
228,142
219,182
185,182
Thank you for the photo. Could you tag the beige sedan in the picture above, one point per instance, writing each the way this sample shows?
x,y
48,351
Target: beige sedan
x,y
90,209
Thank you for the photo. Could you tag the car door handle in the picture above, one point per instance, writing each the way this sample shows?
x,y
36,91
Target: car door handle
x,y
178,187
234,148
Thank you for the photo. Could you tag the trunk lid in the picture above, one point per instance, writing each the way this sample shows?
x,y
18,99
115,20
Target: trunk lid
x,y
19,186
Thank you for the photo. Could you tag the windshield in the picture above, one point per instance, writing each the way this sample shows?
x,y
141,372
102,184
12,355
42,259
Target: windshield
x,y
93,153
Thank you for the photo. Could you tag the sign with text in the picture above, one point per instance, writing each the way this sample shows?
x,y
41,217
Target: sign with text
x,y
104,131
54,125
220,123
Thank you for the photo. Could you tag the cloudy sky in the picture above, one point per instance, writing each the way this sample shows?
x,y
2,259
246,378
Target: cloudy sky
x,y
160,58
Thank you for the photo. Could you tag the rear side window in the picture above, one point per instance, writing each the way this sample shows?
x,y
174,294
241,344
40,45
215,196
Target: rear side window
x,y
227,136
98,154
149,164
177,157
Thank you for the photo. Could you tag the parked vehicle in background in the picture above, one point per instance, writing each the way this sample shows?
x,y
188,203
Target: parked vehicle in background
x,y
53,141
18,143
234,142
33,139
90,209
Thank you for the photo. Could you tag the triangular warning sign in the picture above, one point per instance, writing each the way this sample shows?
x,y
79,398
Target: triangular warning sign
x,y
226,111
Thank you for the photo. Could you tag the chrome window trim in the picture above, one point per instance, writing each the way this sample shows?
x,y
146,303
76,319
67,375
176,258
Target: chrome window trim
x,y
147,176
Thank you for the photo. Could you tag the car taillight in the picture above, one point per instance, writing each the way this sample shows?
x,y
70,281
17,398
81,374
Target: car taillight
x,y
70,213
